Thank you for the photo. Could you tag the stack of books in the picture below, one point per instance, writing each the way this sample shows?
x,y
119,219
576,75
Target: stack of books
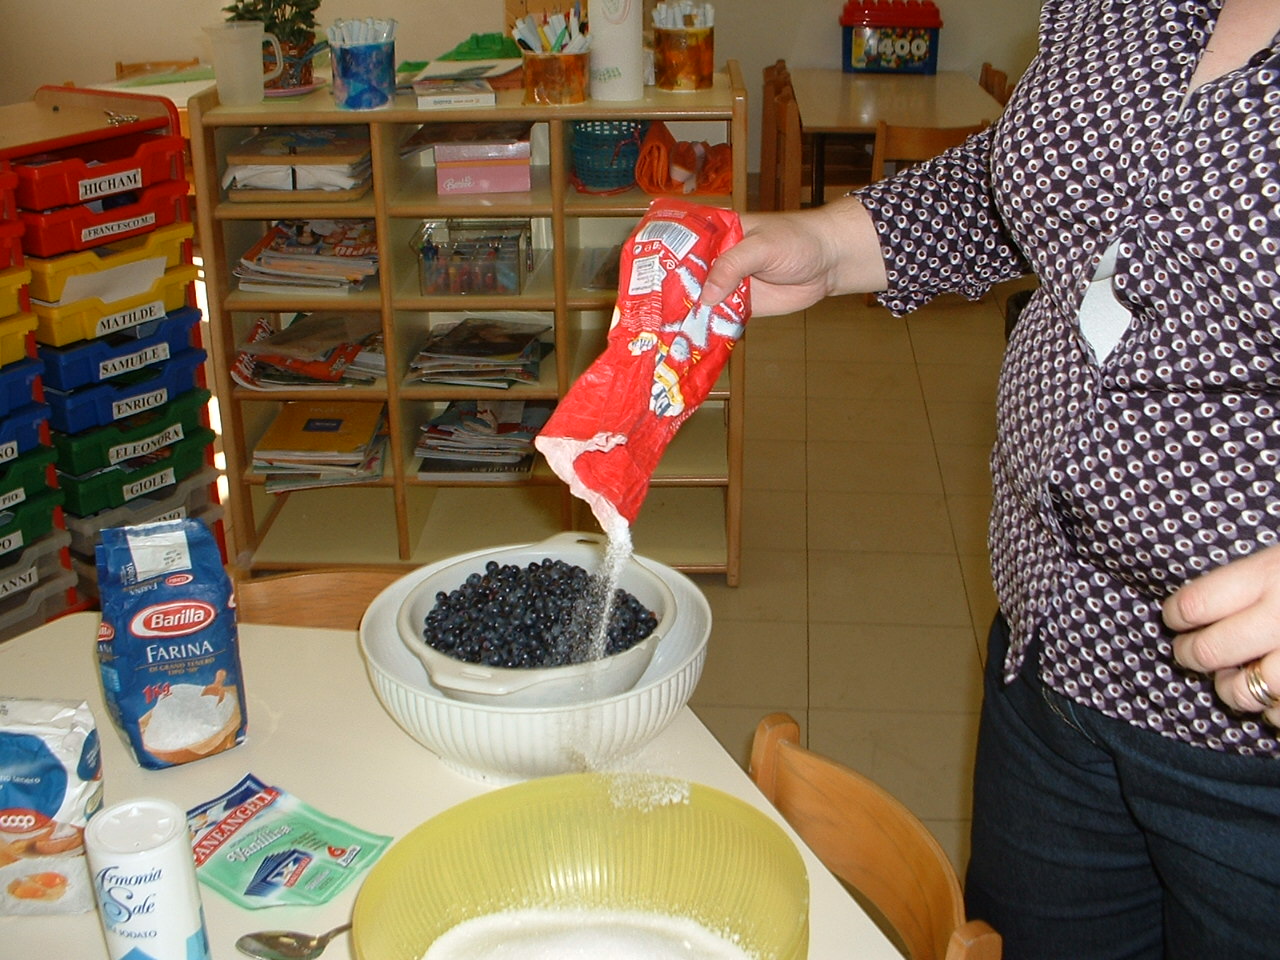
x,y
481,440
300,163
482,352
322,444
308,257
316,350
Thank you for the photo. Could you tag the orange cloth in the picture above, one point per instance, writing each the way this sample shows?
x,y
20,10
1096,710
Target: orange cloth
x,y
670,166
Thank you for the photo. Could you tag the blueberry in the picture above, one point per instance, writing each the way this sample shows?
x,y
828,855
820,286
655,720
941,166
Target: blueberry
x,y
535,616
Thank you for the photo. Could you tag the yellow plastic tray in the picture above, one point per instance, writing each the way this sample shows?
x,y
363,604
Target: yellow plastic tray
x,y
89,318
13,336
49,276
11,282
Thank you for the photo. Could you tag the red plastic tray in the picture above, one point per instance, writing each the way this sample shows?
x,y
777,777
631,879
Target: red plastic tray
x,y
95,170
81,227
10,243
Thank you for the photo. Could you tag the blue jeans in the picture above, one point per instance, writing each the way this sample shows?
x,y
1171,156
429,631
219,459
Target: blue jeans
x,y
1096,840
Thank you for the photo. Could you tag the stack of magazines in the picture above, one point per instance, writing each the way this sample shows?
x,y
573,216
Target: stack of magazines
x,y
482,352
311,257
481,440
322,444
316,350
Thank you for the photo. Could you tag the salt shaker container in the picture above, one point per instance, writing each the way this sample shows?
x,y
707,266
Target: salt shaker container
x,y
144,878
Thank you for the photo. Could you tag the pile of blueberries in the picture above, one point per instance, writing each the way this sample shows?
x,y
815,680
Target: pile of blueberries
x,y
538,615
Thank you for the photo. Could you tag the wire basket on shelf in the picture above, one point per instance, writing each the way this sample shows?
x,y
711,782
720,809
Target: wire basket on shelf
x,y
605,154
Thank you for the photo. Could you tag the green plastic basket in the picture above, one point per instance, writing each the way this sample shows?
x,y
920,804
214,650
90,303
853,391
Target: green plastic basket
x,y
605,154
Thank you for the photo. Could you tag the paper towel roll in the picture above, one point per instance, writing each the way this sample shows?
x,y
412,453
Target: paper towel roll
x,y
617,50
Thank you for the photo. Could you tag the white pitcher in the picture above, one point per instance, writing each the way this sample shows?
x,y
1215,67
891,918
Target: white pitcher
x,y
238,63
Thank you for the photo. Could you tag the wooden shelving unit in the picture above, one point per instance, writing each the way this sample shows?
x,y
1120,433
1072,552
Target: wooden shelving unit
x,y
693,515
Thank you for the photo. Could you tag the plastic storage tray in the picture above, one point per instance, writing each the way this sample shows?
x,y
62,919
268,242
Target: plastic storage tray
x,y
19,384
22,430
54,232
188,498
26,523
91,171
473,256
14,333
87,362
91,317
104,403
40,561
11,283
30,474
49,275
137,436
10,243
116,486
39,605
8,183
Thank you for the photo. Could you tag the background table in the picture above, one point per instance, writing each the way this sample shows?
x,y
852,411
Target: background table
x,y
835,102
317,730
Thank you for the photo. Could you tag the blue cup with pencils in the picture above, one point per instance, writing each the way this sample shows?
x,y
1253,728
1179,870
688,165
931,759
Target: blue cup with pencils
x,y
363,53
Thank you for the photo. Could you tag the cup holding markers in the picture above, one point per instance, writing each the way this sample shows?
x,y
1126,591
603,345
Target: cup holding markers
x,y
556,78
683,46
363,53
557,56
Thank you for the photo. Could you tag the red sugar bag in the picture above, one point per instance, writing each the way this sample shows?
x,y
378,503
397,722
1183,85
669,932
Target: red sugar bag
x,y
664,352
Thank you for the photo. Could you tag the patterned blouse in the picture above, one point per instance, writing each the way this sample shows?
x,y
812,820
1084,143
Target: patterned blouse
x,y
1118,480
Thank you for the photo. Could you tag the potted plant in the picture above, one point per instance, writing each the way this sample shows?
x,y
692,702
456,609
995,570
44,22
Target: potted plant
x,y
294,24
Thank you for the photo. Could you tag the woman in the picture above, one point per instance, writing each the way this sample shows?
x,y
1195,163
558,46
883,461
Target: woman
x,y
1127,790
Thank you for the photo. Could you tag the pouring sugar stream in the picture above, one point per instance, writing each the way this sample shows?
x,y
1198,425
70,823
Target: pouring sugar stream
x,y
664,351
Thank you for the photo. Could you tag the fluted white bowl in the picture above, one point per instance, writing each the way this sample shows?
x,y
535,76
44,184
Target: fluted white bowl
x,y
501,743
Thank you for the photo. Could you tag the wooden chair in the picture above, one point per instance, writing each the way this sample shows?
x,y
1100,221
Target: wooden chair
x,y
903,146
125,70
995,82
334,597
872,842
780,148
906,145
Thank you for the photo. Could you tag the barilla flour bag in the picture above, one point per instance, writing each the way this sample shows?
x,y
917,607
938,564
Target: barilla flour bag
x,y
50,785
663,354
167,646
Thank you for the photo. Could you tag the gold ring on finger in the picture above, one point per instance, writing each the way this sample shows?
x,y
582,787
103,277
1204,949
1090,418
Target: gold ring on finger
x,y
1257,684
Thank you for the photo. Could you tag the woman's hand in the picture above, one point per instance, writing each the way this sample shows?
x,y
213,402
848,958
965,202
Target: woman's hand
x,y
1228,619
795,259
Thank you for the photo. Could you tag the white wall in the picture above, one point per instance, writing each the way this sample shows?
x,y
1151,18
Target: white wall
x,y
59,41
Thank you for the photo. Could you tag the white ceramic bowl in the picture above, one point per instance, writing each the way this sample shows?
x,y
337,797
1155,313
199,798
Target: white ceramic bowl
x,y
502,743
536,686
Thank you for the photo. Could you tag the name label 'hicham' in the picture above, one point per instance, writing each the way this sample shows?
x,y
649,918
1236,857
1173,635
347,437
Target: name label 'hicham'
x,y
111,183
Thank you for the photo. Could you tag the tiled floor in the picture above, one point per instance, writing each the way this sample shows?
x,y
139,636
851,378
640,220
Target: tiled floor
x,y
864,599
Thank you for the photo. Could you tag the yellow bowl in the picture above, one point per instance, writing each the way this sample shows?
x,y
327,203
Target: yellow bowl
x,y
594,841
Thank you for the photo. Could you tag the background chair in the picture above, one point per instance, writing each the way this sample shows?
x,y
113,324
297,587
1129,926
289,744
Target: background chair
x,y
871,842
995,82
335,597
781,156
125,70
902,146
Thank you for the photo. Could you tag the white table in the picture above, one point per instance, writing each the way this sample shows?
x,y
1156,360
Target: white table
x,y
317,730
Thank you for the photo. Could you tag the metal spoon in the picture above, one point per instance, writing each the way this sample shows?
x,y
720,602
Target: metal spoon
x,y
286,944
